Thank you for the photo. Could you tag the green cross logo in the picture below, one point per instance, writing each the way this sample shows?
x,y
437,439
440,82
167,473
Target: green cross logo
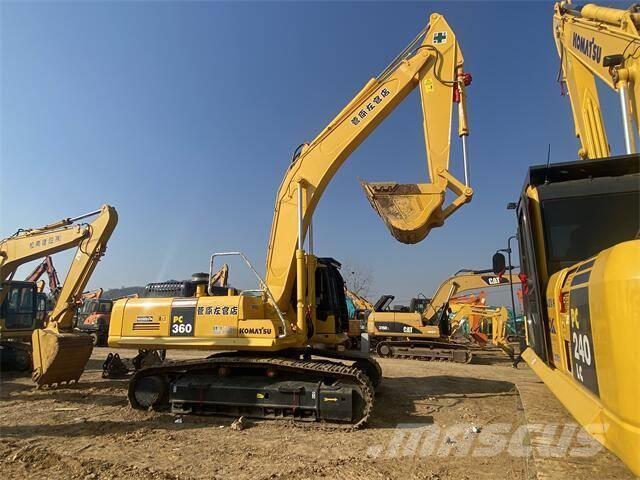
x,y
439,37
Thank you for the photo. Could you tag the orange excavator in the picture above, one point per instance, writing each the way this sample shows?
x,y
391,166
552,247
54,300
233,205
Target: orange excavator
x,y
46,266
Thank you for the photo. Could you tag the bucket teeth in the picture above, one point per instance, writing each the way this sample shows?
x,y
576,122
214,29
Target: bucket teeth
x,y
59,357
410,211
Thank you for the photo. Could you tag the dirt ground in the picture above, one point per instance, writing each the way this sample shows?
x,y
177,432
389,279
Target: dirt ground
x,y
431,421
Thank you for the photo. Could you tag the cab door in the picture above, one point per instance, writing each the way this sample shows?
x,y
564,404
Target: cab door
x,y
535,320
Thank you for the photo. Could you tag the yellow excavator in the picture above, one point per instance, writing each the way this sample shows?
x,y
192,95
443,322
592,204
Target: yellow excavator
x,y
578,230
357,319
58,355
483,317
280,345
427,335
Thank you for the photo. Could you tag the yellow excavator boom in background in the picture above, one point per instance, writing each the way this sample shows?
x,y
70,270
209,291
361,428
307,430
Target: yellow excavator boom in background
x,y
58,354
599,42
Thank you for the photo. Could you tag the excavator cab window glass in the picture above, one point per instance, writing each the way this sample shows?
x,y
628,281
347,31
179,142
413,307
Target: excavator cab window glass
x,y
89,307
577,228
41,308
330,298
104,306
19,307
323,301
532,300
339,299
20,300
384,303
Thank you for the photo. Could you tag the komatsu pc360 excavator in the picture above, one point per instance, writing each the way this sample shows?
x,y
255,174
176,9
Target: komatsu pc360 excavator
x,y
426,335
578,229
58,355
269,336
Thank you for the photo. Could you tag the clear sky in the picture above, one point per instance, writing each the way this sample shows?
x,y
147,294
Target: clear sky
x,y
184,116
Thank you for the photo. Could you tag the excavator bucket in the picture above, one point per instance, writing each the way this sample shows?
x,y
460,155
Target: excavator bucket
x,y
59,357
410,211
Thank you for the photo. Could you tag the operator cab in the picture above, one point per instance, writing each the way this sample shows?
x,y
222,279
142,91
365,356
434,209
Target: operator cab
x,y
19,308
330,297
383,304
91,306
567,213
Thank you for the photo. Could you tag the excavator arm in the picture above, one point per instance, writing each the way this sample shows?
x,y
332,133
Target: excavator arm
x,y
475,314
46,266
58,354
434,62
97,293
599,42
359,302
466,280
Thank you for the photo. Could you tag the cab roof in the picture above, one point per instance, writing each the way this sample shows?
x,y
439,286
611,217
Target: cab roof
x,y
583,169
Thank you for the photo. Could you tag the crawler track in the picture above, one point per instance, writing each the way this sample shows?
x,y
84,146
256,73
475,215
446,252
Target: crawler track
x,y
429,351
319,370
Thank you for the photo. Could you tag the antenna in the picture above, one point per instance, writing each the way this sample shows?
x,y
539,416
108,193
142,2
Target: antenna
x,y
546,172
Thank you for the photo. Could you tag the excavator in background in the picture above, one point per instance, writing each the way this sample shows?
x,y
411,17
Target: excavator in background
x,y
358,308
44,302
578,231
93,316
480,318
281,347
57,354
46,266
427,335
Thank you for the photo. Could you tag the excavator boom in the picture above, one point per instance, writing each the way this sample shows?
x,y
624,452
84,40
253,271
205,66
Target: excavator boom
x,y
466,280
432,61
599,42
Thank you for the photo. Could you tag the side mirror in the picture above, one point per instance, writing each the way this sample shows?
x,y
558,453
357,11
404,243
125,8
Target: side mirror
x,y
499,263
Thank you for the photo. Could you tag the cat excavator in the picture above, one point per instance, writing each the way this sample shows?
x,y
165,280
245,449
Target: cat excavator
x,y
427,335
578,231
58,355
280,347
